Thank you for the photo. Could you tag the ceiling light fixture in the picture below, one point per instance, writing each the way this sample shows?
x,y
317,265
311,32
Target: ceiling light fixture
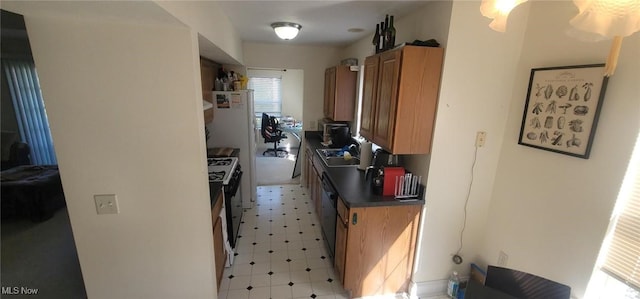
x,y
597,19
286,30
608,19
498,10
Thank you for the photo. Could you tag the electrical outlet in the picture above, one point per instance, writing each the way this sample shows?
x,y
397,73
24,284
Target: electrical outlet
x,y
502,258
481,137
106,204
312,125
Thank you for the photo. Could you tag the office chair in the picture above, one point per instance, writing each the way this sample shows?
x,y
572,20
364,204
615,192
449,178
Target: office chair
x,y
272,134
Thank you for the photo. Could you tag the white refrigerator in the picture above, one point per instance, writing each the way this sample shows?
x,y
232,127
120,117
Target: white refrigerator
x,y
234,126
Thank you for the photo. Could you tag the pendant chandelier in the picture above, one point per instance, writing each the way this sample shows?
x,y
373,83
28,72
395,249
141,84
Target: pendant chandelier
x,y
603,19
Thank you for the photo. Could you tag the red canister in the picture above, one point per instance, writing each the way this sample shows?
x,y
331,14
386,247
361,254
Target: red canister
x,y
390,174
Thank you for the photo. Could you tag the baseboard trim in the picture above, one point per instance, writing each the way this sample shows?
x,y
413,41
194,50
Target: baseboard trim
x,y
426,289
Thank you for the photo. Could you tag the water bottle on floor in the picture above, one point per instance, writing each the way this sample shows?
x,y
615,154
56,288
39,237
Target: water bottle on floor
x,y
453,285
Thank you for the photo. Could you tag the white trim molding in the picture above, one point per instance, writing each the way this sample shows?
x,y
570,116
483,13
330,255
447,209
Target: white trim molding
x,y
428,289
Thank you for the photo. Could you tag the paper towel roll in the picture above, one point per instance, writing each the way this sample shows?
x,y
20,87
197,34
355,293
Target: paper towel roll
x,y
365,155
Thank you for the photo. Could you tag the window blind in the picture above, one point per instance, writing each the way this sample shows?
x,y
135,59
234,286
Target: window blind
x,y
622,260
267,95
30,112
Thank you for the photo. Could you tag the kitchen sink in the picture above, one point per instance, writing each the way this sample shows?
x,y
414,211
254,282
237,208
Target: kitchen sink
x,y
340,161
334,158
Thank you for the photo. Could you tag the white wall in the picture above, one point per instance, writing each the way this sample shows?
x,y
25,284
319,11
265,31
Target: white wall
x,y
125,110
549,211
219,40
475,92
311,60
293,93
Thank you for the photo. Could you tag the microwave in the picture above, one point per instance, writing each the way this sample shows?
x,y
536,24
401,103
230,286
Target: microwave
x,y
325,125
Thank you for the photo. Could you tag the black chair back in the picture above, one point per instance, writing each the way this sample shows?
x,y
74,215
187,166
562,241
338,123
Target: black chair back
x,y
272,134
265,125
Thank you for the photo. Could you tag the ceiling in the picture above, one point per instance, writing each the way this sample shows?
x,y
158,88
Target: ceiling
x,y
323,22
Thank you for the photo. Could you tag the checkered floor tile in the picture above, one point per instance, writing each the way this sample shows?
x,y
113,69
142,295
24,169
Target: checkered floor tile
x,y
281,253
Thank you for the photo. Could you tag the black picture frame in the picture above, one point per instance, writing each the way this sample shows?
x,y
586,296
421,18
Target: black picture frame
x,y
562,108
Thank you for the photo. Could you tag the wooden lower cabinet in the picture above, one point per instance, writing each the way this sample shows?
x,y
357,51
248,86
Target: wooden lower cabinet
x,y
314,180
342,231
218,242
375,248
307,167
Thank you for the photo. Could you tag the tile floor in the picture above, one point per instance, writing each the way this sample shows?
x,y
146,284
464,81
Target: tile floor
x,y
280,252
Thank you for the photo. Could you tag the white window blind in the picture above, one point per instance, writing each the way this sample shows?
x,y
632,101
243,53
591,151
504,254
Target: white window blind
x,y
267,95
31,115
622,260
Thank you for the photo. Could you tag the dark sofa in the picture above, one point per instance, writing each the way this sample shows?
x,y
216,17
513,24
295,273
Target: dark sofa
x,y
32,191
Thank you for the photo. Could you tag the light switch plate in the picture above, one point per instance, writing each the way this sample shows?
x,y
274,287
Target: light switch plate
x,y
106,204
481,137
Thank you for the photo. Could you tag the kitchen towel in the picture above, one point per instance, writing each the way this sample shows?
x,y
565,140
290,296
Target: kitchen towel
x,y
365,155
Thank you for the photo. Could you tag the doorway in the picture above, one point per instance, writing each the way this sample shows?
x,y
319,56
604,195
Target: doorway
x,y
278,93
39,255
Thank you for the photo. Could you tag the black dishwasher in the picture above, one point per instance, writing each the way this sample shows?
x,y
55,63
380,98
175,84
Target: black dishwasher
x,y
329,214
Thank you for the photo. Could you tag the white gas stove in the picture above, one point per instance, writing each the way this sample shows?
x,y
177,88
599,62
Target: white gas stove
x,y
227,171
222,169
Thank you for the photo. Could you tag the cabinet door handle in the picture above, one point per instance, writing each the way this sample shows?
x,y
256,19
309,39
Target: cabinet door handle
x,y
354,219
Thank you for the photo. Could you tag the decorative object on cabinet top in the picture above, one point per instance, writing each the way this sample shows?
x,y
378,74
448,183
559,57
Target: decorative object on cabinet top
x,y
384,37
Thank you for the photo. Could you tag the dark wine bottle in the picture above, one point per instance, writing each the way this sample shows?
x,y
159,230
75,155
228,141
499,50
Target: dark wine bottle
x,y
381,42
386,31
376,39
391,35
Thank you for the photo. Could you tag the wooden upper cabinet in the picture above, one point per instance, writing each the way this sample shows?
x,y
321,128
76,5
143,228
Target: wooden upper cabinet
x,y
329,92
339,93
400,97
387,98
207,75
369,90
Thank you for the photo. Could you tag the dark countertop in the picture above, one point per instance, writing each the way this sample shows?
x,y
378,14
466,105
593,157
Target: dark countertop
x,y
221,152
351,184
215,188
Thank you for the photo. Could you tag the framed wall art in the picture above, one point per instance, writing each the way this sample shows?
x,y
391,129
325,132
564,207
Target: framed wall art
x,y
562,108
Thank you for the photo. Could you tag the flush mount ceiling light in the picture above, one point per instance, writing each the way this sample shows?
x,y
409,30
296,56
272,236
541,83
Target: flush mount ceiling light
x,y
286,30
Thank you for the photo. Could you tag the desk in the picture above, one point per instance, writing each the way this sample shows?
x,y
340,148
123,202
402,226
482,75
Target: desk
x,y
295,131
